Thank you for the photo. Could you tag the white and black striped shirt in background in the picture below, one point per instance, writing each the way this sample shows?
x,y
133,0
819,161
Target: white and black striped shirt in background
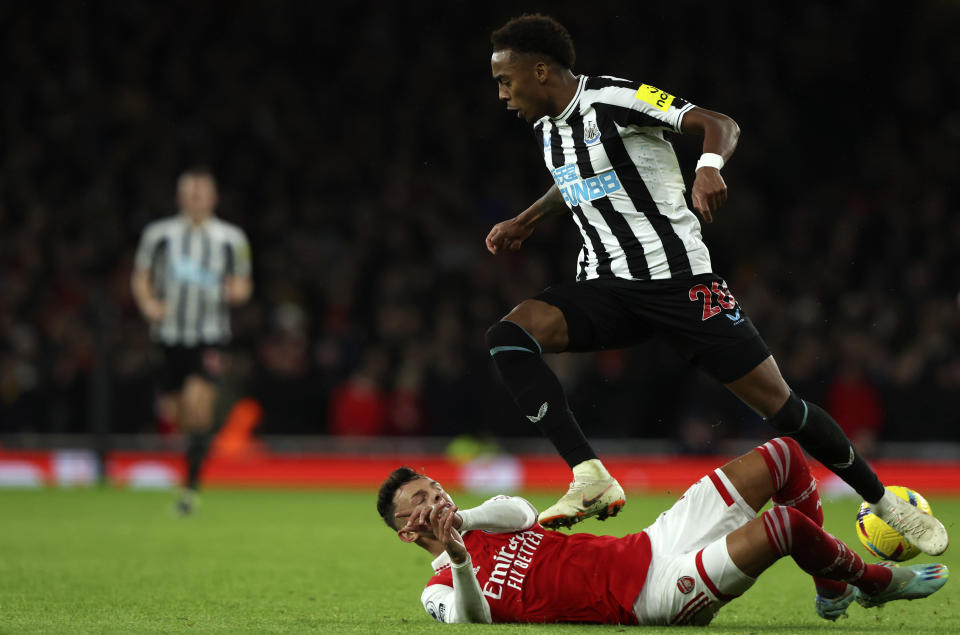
x,y
621,179
188,266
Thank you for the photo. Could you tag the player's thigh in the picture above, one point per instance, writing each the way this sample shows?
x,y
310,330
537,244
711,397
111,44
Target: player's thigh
x,y
690,588
709,509
176,362
749,549
702,320
595,316
197,402
751,478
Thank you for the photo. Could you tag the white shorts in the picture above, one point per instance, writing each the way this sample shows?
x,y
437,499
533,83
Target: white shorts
x,y
691,575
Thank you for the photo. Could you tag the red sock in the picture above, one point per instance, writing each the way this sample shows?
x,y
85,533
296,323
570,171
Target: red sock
x,y
818,553
796,487
792,480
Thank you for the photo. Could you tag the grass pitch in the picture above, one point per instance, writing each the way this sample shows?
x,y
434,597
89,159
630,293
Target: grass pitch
x,y
254,561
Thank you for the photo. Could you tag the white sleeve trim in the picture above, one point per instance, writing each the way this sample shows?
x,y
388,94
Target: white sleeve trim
x,y
462,604
500,515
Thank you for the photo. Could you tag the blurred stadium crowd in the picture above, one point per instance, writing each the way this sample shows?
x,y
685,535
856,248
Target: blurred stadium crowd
x,y
366,156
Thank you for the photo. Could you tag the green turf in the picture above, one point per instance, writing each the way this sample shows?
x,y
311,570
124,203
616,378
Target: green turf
x,y
112,561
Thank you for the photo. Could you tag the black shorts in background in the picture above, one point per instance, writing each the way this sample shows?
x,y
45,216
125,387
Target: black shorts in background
x,y
179,362
697,316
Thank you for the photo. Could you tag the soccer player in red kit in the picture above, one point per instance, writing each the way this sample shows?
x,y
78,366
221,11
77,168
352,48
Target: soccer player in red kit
x,y
495,563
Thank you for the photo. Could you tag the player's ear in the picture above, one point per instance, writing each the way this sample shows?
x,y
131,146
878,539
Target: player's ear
x,y
541,71
407,535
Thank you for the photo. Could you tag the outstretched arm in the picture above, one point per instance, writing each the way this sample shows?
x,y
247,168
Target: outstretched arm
x,y
720,136
500,514
510,234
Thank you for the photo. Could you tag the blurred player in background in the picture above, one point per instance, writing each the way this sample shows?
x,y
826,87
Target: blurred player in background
x,y
189,269
494,563
643,270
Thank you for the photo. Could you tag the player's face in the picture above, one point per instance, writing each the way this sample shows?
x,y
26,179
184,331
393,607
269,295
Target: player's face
x,y
197,194
416,493
518,84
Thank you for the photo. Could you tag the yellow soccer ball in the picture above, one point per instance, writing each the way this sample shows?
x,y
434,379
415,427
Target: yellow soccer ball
x,y
877,536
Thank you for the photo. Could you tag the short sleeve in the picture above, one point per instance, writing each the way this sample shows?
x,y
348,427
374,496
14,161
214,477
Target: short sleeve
x,y
150,241
241,253
638,104
438,599
660,106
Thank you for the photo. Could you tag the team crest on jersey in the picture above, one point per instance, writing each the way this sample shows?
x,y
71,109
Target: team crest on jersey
x,y
591,133
685,584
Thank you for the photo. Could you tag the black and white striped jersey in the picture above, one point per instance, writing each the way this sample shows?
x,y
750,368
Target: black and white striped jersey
x,y
621,179
189,265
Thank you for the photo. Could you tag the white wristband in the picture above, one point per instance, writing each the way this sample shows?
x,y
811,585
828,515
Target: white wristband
x,y
711,160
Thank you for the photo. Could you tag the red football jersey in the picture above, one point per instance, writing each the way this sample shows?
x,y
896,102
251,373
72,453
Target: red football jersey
x,y
538,575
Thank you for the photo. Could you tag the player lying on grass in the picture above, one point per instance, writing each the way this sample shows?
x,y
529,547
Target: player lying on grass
x,y
494,563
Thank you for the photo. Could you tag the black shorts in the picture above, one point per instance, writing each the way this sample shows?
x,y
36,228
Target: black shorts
x,y
697,316
179,362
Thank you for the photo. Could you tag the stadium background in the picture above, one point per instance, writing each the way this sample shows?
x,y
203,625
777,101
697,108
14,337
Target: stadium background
x,y
366,155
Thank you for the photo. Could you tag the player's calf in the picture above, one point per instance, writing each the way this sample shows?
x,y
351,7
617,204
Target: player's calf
x,y
789,532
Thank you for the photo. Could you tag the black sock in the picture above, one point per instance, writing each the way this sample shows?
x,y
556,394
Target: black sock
x,y
197,445
536,390
820,435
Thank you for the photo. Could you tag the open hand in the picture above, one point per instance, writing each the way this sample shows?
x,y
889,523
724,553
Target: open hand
x,y
442,524
420,518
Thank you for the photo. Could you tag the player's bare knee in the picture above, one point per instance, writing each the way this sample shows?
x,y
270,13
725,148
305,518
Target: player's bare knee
x,y
544,323
791,417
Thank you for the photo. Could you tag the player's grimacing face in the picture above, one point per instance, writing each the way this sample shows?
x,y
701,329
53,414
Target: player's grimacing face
x,y
418,492
517,84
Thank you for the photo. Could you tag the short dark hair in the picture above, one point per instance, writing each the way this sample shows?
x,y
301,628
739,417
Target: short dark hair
x,y
536,33
397,479
199,170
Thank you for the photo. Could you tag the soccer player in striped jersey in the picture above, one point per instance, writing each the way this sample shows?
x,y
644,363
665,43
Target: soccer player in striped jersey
x,y
188,270
643,270
495,563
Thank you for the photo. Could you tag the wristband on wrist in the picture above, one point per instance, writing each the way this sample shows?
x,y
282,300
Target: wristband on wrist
x,y
710,159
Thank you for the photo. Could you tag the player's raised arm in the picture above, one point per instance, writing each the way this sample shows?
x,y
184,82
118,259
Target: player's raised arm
x,y
720,136
508,235
499,515
465,601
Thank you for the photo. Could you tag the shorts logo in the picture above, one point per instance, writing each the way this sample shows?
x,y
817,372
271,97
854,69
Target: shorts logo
x,y
540,413
735,317
591,133
655,97
685,584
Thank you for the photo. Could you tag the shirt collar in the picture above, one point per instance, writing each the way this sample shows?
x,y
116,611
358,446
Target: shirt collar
x,y
573,102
